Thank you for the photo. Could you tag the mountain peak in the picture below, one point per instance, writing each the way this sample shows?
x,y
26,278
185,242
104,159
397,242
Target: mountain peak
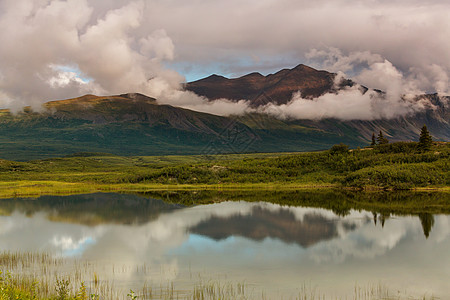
x,y
305,68
253,74
278,87
137,97
215,77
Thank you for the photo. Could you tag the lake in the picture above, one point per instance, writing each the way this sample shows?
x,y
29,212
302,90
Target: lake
x,y
271,250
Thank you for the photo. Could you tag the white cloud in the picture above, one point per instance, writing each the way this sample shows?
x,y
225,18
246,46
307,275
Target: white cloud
x,y
348,104
158,45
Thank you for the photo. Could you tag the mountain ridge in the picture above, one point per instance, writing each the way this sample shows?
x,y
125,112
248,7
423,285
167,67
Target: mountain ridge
x,y
134,124
276,88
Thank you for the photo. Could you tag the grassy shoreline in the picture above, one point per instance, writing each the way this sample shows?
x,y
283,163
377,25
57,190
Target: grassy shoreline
x,y
15,189
340,201
40,188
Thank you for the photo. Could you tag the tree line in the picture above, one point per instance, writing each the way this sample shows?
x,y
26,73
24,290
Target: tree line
x,y
424,144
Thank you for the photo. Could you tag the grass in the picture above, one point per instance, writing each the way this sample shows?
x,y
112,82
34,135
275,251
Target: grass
x,y
40,276
39,188
398,166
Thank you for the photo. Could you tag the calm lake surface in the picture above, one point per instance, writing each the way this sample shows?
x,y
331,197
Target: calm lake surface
x,y
274,249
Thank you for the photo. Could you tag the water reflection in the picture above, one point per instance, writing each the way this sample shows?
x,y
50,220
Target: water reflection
x,y
264,222
427,221
274,247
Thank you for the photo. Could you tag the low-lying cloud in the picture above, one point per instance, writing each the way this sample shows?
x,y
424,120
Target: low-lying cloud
x,y
391,95
348,104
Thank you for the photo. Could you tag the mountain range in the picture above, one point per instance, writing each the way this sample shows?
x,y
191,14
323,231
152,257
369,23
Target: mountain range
x,y
134,124
274,88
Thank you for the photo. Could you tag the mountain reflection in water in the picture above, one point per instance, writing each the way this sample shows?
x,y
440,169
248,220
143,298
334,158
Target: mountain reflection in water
x,y
270,245
262,223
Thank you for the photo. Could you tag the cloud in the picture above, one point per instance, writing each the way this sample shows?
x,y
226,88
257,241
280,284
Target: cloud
x,y
190,100
50,38
74,54
334,60
407,33
126,46
158,45
349,104
398,97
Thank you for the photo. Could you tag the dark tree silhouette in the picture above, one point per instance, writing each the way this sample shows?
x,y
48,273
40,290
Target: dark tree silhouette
x,y
381,139
374,142
425,140
427,221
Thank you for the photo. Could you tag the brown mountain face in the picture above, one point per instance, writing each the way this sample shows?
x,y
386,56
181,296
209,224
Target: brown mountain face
x,y
278,88
260,90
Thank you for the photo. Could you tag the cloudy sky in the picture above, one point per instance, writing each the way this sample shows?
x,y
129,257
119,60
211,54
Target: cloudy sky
x,y
57,49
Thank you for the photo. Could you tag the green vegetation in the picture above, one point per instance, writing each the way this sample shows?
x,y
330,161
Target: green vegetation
x,y
373,143
381,139
127,128
387,166
425,140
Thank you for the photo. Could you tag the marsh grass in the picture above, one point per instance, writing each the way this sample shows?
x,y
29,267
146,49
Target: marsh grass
x,y
29,276
13,260
26,188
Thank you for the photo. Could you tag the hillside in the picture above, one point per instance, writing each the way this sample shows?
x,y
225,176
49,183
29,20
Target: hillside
x,y
125,124
403,128
134,124
279,87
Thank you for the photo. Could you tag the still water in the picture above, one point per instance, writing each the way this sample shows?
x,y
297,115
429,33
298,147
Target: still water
x,y
274,250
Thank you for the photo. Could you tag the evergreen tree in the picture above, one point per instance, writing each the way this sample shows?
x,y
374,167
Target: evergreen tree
x,y
381,139
425,140
427,221
374,142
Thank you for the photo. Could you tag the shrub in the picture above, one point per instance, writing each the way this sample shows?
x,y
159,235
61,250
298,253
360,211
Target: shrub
x,y
398,147
339,149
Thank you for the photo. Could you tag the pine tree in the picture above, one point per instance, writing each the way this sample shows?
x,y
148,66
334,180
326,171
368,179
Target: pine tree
x,y
374,142
427,221
425,140
381,139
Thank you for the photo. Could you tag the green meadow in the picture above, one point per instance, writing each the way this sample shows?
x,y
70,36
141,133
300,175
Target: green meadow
x,y
395,166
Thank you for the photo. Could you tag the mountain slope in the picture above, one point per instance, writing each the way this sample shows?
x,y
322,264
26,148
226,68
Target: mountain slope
x,y
133,124
125,124
275,88
278,88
